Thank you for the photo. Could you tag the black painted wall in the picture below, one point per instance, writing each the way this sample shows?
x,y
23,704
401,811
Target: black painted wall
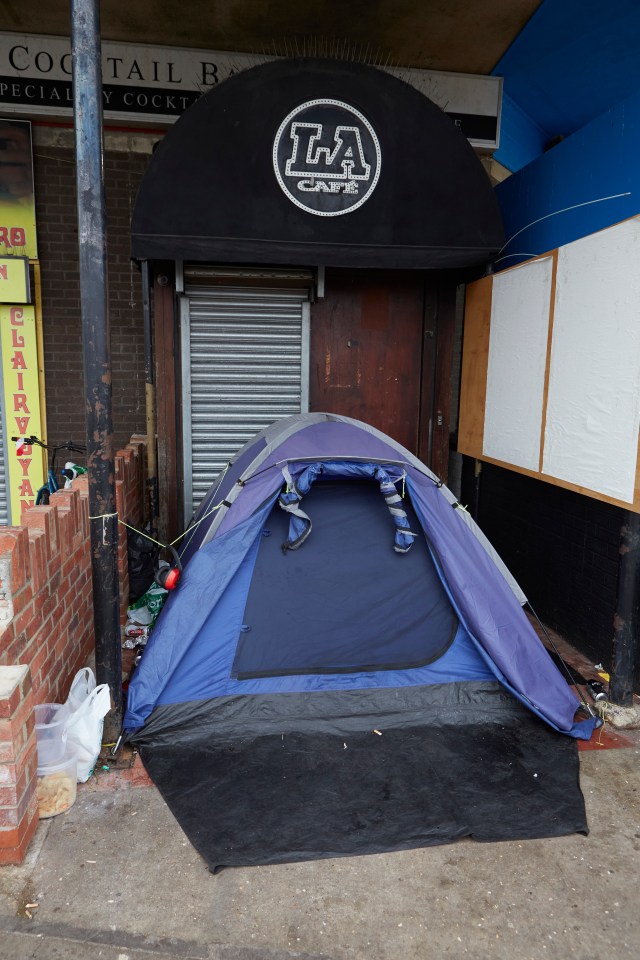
x,y
563,548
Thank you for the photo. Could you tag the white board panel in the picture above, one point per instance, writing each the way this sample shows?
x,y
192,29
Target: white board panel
x,y
593,410
517,360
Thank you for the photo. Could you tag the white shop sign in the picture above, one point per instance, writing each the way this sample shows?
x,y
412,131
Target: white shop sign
x,y
154,85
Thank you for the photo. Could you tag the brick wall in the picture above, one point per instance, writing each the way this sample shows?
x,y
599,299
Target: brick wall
x,y
18,764
47,584
46,625
563,548
46,613
54,173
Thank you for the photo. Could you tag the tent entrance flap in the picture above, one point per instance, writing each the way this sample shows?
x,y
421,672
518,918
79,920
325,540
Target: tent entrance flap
x,y
345,602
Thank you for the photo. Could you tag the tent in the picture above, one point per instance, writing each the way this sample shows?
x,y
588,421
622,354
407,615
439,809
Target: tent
x,y
346,667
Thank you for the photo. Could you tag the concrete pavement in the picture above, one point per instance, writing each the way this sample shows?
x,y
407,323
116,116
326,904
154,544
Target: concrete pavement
x,y
115,878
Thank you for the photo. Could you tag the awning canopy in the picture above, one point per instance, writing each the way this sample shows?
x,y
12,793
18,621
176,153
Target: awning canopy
x,y
312,162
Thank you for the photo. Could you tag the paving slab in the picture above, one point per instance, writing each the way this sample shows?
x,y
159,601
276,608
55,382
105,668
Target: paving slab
x,y
115,876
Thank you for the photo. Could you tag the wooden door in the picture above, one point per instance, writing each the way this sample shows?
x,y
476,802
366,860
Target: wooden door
x,y
373,352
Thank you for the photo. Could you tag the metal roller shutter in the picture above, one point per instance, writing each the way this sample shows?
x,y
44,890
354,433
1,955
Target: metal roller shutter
x,y
244,364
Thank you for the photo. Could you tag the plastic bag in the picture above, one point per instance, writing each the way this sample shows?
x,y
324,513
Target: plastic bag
x,y
141,554
153,600
83,684
89,705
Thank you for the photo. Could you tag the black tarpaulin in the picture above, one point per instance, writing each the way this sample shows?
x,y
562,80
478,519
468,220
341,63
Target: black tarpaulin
x,y
288,777
317,162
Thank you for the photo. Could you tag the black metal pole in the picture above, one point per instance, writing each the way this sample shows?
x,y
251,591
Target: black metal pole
x,y
92,240
626,639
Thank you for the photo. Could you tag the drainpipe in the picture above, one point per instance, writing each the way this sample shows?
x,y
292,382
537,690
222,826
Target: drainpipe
x,y
150,400
92,240
626,640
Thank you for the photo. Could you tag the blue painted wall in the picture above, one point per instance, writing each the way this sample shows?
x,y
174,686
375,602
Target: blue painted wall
x,y
521,138
597,161
573,60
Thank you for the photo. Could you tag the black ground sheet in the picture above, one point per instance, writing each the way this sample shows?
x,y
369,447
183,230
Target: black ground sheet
x,y
271,779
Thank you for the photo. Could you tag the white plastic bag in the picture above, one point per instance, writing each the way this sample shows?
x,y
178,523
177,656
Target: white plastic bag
x,y
83,684
89,705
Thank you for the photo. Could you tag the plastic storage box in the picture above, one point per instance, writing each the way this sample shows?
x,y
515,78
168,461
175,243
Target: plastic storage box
x,y
57,785
51,731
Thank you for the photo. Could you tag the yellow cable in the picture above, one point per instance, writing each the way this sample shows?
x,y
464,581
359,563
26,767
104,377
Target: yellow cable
x,y
105,516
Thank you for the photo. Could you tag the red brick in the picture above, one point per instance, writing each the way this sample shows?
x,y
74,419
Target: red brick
x,y
10,749
61,646
48,606
26,684
9,705
81,484
22,621
11,770
7,636
37,557
10,647
15,841
10,727
63,623
14,545
66,528
22,598
13,794
10,816
15,686
37,664
68,504
44,519
66,572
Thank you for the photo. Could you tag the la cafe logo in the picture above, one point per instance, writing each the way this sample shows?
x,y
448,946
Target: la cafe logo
x,y
326,157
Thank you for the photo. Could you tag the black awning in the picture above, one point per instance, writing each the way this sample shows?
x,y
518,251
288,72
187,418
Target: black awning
x,y
317,162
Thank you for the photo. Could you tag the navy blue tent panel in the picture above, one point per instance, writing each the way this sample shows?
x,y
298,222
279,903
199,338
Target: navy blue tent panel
x,y
346,667
344,602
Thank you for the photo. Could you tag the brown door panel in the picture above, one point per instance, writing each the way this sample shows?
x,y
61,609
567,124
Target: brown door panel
x,y
366,350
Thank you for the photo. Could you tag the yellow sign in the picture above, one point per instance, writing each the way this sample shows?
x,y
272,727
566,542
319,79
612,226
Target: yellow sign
x,y
14,280
17,201
21,404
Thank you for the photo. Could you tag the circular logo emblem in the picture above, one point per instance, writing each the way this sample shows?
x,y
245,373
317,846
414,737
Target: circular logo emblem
x,y
326,156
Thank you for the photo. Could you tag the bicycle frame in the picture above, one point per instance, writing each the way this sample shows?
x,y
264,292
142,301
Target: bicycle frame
x,y
51,485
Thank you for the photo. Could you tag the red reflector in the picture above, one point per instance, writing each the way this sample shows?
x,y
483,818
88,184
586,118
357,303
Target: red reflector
x,y
172,578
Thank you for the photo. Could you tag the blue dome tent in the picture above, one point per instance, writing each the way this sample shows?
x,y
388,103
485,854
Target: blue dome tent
x,y
346,667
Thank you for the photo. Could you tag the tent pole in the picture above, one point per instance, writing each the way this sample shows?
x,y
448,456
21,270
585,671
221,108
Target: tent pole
x,y
626,640
92,240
